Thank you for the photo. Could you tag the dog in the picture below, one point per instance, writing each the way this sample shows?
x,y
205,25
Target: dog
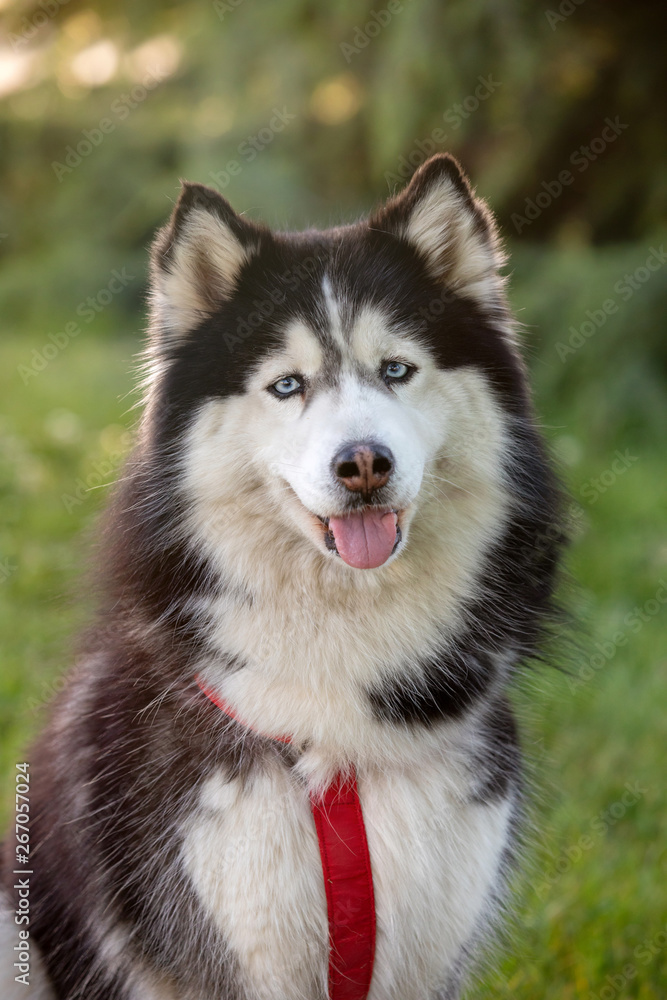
x,y
288,734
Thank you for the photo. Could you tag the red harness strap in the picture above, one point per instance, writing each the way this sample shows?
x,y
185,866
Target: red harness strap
x,y
348,879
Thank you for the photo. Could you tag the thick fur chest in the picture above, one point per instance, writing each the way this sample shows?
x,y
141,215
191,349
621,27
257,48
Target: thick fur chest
x,y
251,852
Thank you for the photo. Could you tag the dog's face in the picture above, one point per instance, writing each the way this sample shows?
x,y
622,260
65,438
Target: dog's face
x,y
335,385
342,425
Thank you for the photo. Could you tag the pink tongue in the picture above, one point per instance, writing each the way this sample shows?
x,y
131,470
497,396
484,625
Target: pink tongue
x,y
365,539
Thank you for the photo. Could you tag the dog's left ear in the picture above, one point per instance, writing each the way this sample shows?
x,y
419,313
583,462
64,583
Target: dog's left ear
x,y
439,215
196,261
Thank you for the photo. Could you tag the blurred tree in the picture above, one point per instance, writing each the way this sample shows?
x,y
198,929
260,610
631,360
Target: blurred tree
x,y
519,91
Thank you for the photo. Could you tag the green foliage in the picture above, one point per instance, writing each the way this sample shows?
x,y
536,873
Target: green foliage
x,y
364,99
364,103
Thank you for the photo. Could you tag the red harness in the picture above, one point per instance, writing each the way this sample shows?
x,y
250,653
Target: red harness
x,y
348,879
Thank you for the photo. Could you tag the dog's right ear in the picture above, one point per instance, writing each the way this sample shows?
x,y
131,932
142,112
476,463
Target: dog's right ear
x,y
196,260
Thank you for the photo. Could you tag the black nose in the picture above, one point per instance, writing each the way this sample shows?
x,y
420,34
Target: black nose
x,y
363,467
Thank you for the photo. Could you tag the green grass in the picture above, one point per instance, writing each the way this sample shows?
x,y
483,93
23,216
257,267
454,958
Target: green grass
x,y
595,889
585,907
61,432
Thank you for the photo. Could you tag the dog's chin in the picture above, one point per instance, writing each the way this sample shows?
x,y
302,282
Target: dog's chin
x,y
367,537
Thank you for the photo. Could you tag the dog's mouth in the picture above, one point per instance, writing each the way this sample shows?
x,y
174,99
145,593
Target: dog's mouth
x,y
365,538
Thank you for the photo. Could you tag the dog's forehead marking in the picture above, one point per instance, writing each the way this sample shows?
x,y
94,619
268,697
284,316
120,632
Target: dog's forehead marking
x,y
303,348
372,336
334,310
347,341
355,345
376,336
363,335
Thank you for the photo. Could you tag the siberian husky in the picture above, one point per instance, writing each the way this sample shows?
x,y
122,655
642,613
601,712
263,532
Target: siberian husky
x,y
335,542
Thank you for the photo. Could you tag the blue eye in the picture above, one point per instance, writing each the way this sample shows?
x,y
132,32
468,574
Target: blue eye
x,y
286,386
395,371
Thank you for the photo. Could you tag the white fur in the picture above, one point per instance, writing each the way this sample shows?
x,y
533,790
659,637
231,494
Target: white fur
x,y
334,311
252,854
315,633
443,227
114,941
207,258
316,629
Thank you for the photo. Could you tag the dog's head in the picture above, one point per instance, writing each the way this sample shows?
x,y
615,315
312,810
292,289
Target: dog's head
x,y
329,389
